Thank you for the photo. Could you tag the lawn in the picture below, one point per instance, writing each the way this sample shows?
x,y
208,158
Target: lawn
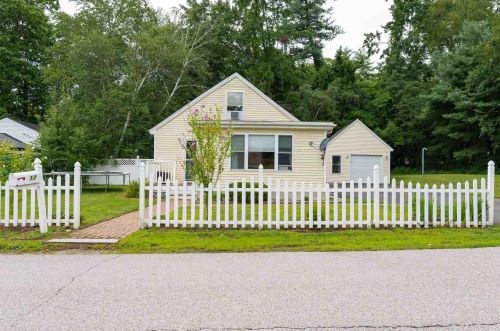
x,y
439,179
168,240
97,205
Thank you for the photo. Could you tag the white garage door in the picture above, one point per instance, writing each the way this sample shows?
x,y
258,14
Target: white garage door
x,y
362,166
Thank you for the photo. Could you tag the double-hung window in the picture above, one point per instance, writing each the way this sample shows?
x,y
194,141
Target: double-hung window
x,y
336,163
272,151
285,153
234,101
238,152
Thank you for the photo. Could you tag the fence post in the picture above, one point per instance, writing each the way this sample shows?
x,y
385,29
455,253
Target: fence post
x,y
142,187
376,197
76,194
261,196
491,190
42,222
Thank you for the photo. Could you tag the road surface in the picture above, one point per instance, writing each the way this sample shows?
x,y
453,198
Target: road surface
x,y
432,289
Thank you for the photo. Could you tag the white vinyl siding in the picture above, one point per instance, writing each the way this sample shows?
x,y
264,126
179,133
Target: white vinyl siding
x,y
356,140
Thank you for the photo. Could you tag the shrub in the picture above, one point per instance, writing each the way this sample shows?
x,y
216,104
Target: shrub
x,y
13,160
132,190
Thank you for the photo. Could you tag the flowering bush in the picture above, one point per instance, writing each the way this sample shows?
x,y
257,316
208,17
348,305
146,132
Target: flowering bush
x,y
207,145
13,160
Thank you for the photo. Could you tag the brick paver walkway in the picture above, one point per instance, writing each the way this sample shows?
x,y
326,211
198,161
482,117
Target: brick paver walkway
x,y
115,228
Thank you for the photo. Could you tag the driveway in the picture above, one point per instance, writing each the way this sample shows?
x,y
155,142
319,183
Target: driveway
x,y
435,289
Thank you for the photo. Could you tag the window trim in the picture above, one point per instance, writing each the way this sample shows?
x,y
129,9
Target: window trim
x,y
340,164
276,151
242,112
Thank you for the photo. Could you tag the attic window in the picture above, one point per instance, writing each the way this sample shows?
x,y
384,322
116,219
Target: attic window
x,y
234,101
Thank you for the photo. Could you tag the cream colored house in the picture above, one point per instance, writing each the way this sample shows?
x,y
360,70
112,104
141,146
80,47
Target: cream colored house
x,y
264,133
353,151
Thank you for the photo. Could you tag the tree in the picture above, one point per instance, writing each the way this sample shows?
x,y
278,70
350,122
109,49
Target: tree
x,y
25,36
464,105
208,145
118,69
310,24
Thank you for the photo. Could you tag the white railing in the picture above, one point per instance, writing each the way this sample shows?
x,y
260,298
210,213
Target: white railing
x,y
276,204
19,206
161,169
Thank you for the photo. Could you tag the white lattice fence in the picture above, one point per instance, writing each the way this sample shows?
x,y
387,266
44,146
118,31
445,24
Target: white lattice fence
x,y
263,202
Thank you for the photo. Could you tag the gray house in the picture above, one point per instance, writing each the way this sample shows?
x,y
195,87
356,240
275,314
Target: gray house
x,y
18,132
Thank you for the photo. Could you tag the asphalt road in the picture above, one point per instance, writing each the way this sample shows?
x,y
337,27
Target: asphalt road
x,y
434,289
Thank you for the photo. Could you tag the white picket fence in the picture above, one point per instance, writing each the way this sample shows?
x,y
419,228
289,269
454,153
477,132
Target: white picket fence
x,y
19,206
276,204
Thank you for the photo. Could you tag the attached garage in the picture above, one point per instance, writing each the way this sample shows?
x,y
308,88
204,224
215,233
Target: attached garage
x,y
352,152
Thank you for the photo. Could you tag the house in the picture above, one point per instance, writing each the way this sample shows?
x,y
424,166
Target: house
x,y
18,132
353,151
263,133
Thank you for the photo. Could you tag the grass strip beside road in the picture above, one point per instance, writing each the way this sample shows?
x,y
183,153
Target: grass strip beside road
x,y
169,240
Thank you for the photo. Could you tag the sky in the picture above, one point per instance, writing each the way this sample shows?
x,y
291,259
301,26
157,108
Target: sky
x,y
356,17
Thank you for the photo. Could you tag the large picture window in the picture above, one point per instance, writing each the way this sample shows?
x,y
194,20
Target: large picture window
x,y
238,152
272,151
261,151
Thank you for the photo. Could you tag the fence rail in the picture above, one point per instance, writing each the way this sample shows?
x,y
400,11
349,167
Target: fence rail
x,y
19,206
267,203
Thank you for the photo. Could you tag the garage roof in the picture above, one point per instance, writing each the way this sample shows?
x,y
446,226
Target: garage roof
x,y
339,133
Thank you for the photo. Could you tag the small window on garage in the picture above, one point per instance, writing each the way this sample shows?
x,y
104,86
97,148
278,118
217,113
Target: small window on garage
x,y
335,164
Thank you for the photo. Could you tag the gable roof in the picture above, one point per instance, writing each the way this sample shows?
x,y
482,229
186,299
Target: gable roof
x,y
217,86
26,124
18,143
358,121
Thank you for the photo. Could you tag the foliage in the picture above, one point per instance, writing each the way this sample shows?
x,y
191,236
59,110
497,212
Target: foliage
x,y
132,189
464,104
25,36
208,145
13,160
98,80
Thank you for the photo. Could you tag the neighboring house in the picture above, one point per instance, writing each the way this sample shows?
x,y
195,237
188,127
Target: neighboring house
x,y
17,132
352,152
264,133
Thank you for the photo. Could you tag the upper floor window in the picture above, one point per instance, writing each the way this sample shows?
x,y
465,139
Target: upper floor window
x,y
234,101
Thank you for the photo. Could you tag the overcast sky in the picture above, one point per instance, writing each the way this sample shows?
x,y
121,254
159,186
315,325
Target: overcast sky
x,y
356,17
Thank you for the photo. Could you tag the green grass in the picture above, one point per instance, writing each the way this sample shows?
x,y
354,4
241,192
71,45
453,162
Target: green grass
x,y
96,206
168,240
439,179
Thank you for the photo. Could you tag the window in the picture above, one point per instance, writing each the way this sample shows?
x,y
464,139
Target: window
x,y
285,153
238,152
234,101
260,151
272,151
335,164
190,149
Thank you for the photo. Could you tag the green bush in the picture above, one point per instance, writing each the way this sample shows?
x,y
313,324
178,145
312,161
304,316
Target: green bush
x,y
132,190
13,160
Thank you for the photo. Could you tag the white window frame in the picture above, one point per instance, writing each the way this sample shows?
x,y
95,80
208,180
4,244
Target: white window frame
x,y
276,151
242,113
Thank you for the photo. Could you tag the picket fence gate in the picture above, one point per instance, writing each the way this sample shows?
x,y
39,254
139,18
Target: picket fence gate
x,y
20,206
279,204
